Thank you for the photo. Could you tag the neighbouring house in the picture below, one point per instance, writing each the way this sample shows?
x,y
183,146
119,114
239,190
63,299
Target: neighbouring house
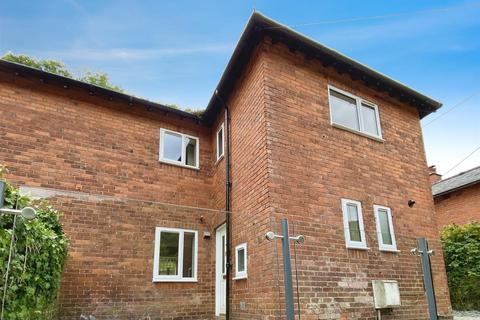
x,y
294,130
457,198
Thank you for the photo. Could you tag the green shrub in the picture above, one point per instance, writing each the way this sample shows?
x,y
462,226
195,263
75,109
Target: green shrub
x,y
461,245
39,254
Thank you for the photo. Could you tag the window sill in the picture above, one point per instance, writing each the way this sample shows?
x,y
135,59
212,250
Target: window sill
x,y
178,164
339,126
389,250
243,277
219,159
174,280
358,248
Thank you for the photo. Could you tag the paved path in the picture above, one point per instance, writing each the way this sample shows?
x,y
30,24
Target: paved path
x,y
466,315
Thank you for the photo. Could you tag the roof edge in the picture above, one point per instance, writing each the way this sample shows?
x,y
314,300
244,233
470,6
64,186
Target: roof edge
x,y
435,195
454,176
462,186
55,79
259,26
352,60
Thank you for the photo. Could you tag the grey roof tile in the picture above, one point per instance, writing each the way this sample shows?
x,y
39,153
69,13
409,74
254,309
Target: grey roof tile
x,y
463,179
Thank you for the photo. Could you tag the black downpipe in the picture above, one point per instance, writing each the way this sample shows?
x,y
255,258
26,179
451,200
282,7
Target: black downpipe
x,y
228,190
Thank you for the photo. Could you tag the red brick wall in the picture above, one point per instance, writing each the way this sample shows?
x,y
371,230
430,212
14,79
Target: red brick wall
x,y
306,168
94,148
287,161
251,216
459,207
312,165
218,166
109,269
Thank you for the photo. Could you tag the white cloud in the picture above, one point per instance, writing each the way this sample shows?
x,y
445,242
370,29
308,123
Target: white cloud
x,y
416,25
134,54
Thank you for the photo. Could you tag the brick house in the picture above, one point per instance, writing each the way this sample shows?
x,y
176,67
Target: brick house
x,y
294,130
456,199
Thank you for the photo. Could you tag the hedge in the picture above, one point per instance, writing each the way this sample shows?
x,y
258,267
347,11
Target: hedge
x,y
461,245
39,254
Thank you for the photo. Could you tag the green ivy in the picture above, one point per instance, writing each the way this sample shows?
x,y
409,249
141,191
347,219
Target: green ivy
x,y
39,254
461,245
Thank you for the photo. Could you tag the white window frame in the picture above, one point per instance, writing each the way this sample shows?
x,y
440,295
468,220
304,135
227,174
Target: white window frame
x,y
183,162
221,128
241,274
156,256
348,242
385,247
358,102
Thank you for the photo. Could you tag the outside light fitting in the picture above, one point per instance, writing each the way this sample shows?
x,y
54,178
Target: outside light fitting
x,y
27,213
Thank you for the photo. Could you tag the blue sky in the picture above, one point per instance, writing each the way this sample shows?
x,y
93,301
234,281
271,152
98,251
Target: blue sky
x,y
175,51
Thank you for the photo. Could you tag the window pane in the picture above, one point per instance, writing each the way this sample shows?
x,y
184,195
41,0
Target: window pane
x,y
353,223
172,146
241,260
385,227
168,264
189,255
369,120
220,142
344,110
191,152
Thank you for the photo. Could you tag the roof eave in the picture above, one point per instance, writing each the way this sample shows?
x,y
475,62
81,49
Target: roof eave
x,y
21,70
456,189
260,26
210,111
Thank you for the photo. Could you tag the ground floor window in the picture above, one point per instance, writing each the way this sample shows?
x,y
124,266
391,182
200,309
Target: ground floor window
x,y
353,224
385,232
241,261
175,257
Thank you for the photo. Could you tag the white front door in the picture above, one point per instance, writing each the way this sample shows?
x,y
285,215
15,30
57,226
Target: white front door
x,y
220,269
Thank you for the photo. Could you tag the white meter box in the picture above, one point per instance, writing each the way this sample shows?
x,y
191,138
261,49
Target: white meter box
x,y
386,294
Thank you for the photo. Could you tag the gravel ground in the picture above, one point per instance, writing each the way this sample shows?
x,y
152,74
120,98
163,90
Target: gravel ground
x,y
466,315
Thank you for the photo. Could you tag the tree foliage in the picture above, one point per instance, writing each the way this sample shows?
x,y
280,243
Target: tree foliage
x,y
51,66
99,79
36,268
96,78
197,112
461,245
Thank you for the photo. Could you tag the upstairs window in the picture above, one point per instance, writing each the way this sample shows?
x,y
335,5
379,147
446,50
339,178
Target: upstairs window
x,y
353,113
175,257
220,142
178,148
353,224
385,232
